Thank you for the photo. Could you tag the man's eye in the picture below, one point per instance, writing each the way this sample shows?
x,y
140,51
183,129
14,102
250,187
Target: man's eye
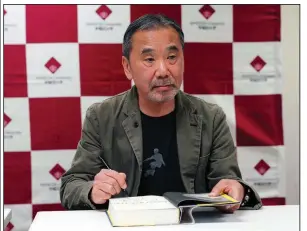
x,y
149,60
171,57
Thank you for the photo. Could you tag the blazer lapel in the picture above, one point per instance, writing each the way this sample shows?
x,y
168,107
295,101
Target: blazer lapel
x,y
133,126
189,127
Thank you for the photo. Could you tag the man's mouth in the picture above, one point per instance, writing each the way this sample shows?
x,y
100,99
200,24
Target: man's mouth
x,y
163,86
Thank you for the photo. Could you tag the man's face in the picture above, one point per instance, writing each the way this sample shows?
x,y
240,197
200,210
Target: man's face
x,y
156,64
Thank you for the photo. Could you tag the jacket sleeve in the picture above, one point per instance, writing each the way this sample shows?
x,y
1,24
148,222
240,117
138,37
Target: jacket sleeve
x,y
223,163
77,182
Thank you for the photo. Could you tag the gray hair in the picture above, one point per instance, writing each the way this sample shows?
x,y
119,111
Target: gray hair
x,y
148,22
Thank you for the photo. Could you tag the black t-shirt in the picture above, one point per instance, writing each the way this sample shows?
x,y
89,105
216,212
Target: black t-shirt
x,y
161,172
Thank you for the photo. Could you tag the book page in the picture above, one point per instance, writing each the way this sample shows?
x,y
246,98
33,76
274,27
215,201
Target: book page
x,y
206,198
186,199
141,203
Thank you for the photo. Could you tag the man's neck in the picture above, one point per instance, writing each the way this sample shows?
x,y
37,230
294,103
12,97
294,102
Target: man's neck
x,y
156,109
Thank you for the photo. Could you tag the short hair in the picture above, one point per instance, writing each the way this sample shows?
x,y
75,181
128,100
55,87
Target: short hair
x,y
148,22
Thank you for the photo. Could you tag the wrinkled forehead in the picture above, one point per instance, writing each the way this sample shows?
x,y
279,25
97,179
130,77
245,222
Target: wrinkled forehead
x,y
156,40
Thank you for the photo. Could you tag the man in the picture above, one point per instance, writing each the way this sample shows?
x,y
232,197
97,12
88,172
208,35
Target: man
x,y
154,138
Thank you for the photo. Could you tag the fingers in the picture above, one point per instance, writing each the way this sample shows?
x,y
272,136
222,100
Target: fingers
x,y
99,196
231,187
234,192
110,185
218,188
107,183
119,177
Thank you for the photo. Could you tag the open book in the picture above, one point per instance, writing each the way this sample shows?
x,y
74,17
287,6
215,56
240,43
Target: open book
x,y
171,208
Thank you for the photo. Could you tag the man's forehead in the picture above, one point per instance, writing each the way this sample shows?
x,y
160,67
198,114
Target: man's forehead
x,y
149,40
166,35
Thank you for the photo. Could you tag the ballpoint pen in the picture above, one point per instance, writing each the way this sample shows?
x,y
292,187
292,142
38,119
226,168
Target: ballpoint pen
x,y
125,191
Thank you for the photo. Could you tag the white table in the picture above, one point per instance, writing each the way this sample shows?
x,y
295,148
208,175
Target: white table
x,y
269,218
7,216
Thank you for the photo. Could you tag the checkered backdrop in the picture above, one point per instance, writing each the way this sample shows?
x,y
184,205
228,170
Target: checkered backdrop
x,y
59,59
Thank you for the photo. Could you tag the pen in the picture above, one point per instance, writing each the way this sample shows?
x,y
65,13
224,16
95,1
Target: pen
x,y
126,193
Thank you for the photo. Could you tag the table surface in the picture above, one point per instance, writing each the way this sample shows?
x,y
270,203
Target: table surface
x,y
7,216
269,218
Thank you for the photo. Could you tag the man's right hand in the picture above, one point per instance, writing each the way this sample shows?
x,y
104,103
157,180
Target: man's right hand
x,y
106,184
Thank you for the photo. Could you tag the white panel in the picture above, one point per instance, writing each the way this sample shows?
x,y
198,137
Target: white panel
x,y
53,70
207,23
268,177
21,217
17,124
102,23
14,24
47,169
257,68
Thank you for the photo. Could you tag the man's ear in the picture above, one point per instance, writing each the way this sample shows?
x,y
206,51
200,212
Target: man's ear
x,y
127,68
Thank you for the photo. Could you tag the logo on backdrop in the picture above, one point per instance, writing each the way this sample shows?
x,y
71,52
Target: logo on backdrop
x,y
56,172
53,65
155,161
258,63
103,13
262,168
9,227
6,119
9,133
7,26
207,12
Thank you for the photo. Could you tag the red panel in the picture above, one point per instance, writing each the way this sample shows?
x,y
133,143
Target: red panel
x,y
208,68
55,123
51,23
15,71
17,178
259,120
101,71
256,23
273,201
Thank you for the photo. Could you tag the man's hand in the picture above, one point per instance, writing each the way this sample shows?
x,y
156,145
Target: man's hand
x,y
232,188
106,184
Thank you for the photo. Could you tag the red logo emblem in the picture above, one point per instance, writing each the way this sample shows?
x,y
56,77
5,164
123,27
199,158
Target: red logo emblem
x,y
258,63
57,171
207,11
52,65
262,167
4,12
6,119
103,11
9,227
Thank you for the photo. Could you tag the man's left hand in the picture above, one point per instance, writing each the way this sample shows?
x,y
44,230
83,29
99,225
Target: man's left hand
x,y
232,188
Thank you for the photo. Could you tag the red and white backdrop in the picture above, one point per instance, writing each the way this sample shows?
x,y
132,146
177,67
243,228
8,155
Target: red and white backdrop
x,y
59,59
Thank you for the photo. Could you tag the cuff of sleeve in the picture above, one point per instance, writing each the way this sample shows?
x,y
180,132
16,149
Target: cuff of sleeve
x,y
86,195
251,199
86,190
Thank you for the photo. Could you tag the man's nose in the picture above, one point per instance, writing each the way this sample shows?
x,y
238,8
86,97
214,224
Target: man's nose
x,y
162,69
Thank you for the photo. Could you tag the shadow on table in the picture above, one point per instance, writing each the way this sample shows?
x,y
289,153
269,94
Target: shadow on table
x,y
212,215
